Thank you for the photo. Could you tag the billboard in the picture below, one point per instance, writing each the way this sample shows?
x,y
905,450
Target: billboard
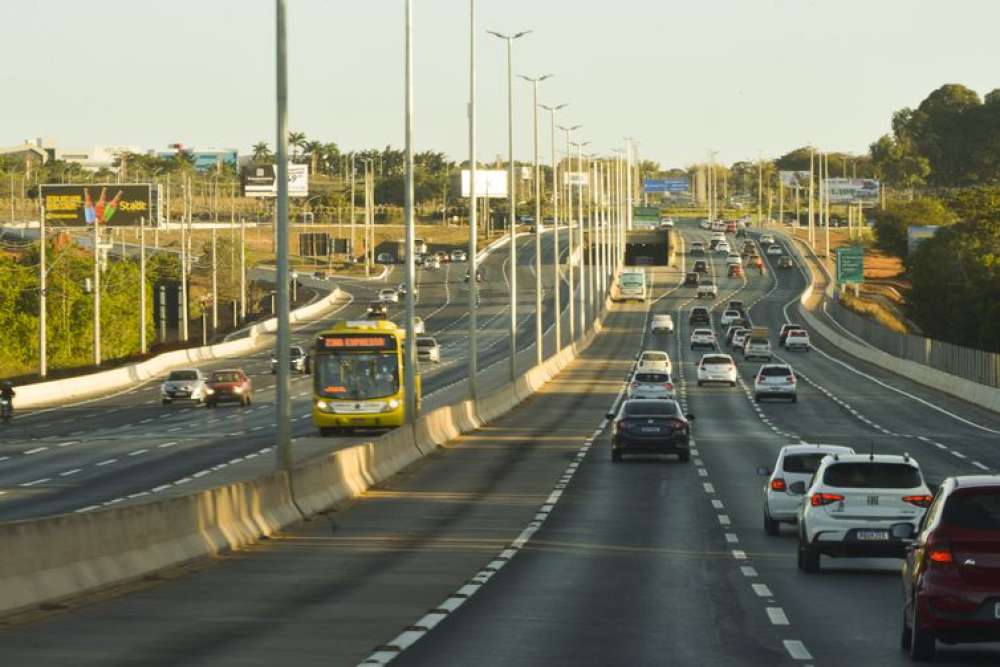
x,y
577,178
794,179
852,190
917,234
262,180
103,204
665,185
491,183
851,264
314,244
645,216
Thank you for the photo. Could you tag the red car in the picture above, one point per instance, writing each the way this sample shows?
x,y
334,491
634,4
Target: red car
x,y
735,271
231,385
951,576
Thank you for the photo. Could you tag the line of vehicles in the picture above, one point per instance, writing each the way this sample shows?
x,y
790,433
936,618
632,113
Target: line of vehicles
x,y
422,256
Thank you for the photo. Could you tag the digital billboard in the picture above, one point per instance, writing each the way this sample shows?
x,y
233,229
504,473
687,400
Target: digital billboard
x,y
103,204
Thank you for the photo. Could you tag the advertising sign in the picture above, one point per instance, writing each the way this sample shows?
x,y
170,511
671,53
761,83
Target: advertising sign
x,y
262,180
314,244
576,178
917,234
490,183
665,185
794,179
643,216
851,264
103,204
852,190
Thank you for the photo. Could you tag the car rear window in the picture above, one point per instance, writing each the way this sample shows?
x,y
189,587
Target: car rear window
x,y
426,342
225,377
654,356
872,476
183,375
802,463
716,360
796,332
652,377
702,332
979,510
652,409
775,371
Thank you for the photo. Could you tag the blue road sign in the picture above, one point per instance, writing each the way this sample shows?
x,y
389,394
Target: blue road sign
x,y
665,185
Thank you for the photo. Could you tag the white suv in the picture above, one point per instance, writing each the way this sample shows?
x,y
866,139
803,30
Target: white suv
x,y
775,381
730,317
655,361
388,295
860,505
662,324
796,463
707,289
756,347
798,339
717,368
656,385
702,338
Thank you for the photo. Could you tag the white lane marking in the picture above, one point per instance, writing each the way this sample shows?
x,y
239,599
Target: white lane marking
x,y
182,480
165,445
88,508
70,472
724,519
106,462
37,481
762,590
777,616
35,451
748,570
979,465
161,487
732,538
67,443
739,554
137,452
797,650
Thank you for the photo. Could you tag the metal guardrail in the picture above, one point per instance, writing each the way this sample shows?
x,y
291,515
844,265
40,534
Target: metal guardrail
x,y
976,365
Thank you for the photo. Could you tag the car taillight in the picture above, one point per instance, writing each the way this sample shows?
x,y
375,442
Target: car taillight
x,y
820,499
668,385
940,554
777,484
677,424
790,379
635,385
919,501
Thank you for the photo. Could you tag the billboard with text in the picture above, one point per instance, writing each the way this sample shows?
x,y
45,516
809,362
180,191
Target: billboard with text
x,y
262,180
665,185
852,190
491,183
103,204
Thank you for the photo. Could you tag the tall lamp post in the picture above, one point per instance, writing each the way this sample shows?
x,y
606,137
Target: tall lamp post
x,y
282,386
509,39
473,268
569,229
580,234
410,361
556,280
538,219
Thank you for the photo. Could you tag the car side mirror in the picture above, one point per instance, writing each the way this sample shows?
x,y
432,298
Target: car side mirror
x,y
689,417
610,415
797,488
763,471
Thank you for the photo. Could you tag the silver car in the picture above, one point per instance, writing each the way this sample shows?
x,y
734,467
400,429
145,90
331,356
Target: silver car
x,y
186,384
651,385
775,381
428,349
717,368
458,255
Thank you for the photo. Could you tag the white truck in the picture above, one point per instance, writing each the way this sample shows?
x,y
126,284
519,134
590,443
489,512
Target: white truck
x,y
632,285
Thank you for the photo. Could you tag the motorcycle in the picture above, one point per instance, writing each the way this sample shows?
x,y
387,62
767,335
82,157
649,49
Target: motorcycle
x,y
6,410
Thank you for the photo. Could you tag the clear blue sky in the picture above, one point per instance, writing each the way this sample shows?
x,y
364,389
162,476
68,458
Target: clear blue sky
x,y
745,77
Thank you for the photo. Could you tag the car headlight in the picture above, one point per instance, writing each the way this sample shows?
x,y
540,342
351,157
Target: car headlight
x,y
391,405
238,390
209,390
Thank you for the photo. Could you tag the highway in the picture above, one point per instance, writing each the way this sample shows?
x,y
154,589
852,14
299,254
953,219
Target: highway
x,y
522,543
128,448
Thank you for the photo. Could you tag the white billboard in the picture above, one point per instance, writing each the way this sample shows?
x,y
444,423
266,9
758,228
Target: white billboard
x,y
261,180
491,183
577,178
793,179
852,190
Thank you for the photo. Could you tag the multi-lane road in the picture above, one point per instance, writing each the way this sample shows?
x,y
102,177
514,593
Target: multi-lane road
x,y
523,544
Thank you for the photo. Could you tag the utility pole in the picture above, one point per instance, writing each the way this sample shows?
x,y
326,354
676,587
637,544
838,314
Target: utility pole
x,y
142,285
569,229
215,265
556,273
473,264
184,272
760,192
580,236
43,334
282,386
410,362
628,184
812,232
97,292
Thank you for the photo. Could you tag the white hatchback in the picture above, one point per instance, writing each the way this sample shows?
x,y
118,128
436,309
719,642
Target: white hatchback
x,y
798,339
722,248
717,368
655,360
860,505
388,295
766,239
702,338
662,324
651,385
730,317
707,289
775,381
774,249
796,463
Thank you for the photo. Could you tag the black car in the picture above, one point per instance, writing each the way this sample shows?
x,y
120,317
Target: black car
x,y
691,278
377,310
650,426
701,266
736,304
699,315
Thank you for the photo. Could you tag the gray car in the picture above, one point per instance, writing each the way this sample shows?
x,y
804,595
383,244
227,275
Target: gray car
x,y
185,384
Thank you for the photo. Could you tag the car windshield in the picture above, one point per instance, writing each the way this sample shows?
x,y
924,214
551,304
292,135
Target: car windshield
x,y
802,463
976,510
183,375
632,280
716,360
796,333
775,371
225,377
295,352
652,409
731,313
701,332
426,342
656,378
872,475
357,376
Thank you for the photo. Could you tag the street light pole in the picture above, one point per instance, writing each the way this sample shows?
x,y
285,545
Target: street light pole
x,y
569,229
556,275
282,387
580,234
473,268
410,351
628,182
538,220
511,191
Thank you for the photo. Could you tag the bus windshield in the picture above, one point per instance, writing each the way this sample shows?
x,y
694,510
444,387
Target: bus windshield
x,y
356,376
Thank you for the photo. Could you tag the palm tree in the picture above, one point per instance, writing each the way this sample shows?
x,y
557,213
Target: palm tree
x,y
261,153
296,140
314,149
331,155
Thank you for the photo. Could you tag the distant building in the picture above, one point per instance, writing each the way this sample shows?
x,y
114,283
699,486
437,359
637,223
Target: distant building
x,y
205,158
27,153
95,157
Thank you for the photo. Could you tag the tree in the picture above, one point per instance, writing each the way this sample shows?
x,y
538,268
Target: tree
x,y
261,153
897,162
892,224
296,140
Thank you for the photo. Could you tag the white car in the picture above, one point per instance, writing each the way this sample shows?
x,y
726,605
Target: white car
x,y
666,223
432,262
775,381
774,249
428,350
705,224
418,325
733,258
388,295
860,505
798,339
730,317
717,368
755,347
662,324
702,338
654,385
458,255
766,239
722,248
697,248
184,384
707,289
717,236
401,289
796,463
655,360
739,339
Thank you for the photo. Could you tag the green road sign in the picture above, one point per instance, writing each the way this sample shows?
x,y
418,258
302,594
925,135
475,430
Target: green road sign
x,y
851,264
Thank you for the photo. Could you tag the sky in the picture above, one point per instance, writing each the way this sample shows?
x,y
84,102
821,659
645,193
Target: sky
x,y
745,78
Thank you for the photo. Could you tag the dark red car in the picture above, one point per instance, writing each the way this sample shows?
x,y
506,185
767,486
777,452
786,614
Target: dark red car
x,y
231,385
951,576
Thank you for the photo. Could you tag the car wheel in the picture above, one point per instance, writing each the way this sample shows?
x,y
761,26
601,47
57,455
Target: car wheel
x,y
756,398
922,642
905,635
732,384
616,456
771,526
700,383
808,558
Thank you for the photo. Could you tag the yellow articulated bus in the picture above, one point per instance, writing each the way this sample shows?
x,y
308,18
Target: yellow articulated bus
x,y
358,376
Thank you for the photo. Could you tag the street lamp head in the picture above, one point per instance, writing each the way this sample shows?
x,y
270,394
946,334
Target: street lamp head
x,y
535,79
554,108
508,37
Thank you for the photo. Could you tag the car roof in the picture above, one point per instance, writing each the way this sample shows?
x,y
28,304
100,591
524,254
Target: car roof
x,y
788,366
877,458
807,448
973,481
703,331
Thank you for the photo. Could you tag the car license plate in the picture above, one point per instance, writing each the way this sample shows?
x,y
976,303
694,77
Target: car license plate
x,y
181,394
650,429
872,535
